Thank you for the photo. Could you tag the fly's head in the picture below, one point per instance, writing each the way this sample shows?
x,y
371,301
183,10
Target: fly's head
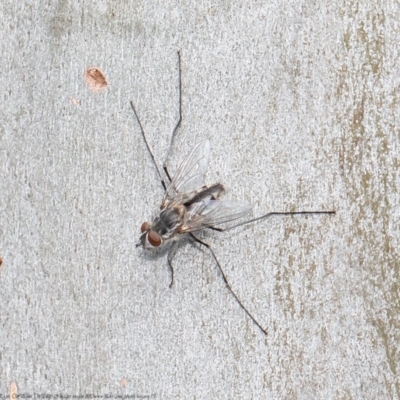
x,y
150,238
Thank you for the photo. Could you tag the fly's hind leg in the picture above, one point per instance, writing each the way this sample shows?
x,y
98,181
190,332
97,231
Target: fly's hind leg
x,y
270,215
197,240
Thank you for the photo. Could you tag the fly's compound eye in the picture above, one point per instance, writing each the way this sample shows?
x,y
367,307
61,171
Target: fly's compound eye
x,y
154,238
144,227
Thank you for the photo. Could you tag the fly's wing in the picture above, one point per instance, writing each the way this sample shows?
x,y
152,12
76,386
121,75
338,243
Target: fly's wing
x,y
208,213
190,175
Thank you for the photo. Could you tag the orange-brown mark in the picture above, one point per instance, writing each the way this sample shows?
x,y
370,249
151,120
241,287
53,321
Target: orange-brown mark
x,y
154,238
144,227
1,261
13,390
75,101
96,79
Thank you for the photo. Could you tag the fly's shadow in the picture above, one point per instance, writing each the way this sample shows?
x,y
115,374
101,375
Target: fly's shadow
x,y
190,206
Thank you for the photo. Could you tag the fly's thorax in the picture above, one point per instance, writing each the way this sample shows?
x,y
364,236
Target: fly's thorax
x,y
169,220
163,227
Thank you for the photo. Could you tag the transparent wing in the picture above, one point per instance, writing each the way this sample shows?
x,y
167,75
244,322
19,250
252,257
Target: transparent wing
x,y
208,213
190,175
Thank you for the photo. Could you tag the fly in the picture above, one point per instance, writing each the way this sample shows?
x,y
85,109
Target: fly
x,y
189,205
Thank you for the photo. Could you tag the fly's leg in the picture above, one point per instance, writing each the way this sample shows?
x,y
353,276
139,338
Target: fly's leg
x,y
197,240
179,119
167,173
270,215
173,132
148,147
171,255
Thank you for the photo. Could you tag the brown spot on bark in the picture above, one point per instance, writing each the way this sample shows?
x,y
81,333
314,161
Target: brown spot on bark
x,y
96,79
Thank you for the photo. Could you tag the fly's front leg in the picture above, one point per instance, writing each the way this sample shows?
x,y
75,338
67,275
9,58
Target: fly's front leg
x,y
171,255
180,115
173,132
148,147
167,173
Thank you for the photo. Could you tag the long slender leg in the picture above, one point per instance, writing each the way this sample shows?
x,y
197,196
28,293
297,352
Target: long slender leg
x,y
173,132
269,215
167,173
171,255
196,239
148,147
180,113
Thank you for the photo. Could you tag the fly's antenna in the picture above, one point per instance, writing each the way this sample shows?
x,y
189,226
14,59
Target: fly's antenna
x,y
180,115
197,240
270,215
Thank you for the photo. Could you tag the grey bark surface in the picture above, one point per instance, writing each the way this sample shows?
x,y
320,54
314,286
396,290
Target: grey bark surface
x,y
300,102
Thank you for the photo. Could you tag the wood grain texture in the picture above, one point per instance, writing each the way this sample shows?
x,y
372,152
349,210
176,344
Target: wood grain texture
x,y
300,102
